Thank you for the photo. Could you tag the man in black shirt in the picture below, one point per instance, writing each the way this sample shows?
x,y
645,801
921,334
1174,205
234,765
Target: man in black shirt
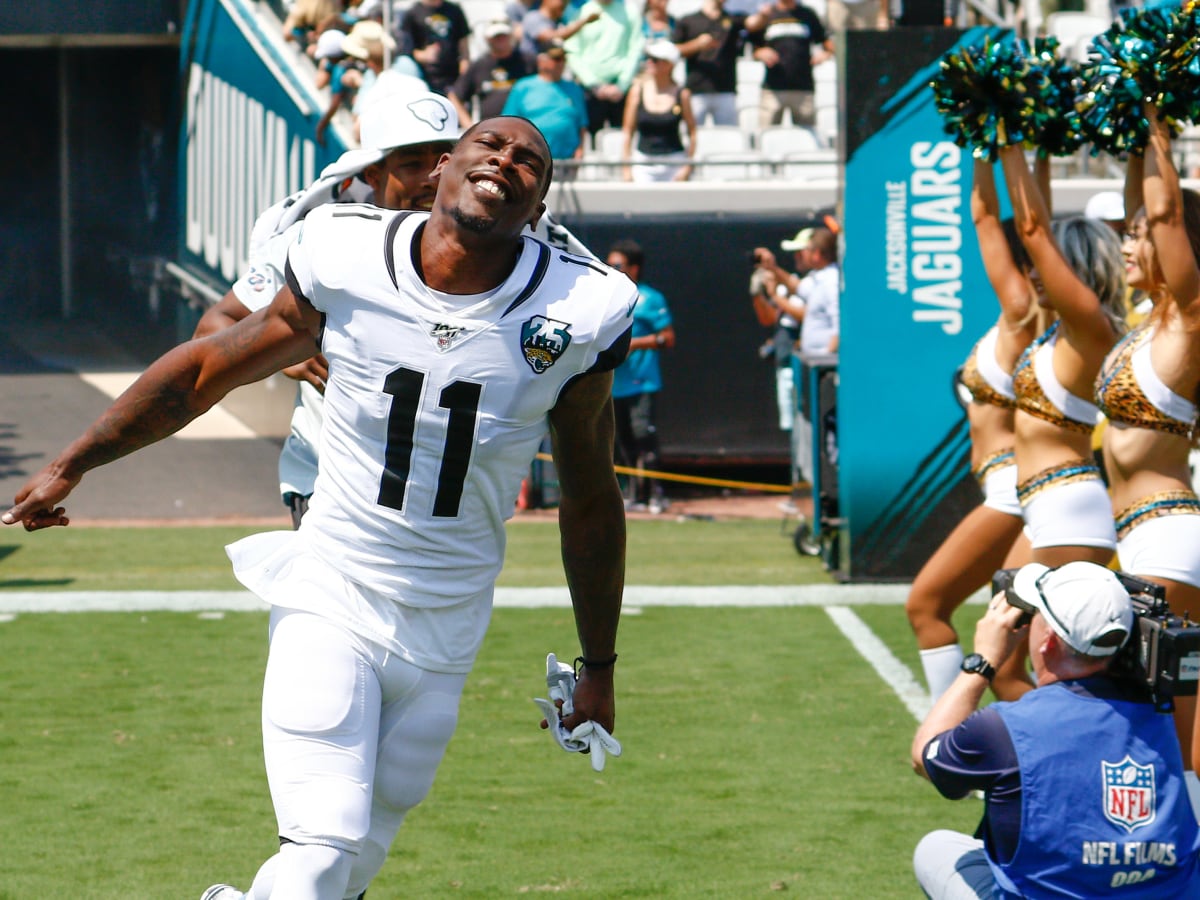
x,y
710,41
439,32
784,36
491,76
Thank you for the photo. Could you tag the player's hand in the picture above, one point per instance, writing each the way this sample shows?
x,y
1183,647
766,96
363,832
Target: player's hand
x,y
36,504
593,700
315,371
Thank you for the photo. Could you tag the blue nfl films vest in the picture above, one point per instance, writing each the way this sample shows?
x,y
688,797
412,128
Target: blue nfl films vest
x,y
1104,809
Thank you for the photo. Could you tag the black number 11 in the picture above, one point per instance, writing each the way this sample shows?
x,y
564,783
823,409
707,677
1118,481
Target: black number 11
x,y
462,399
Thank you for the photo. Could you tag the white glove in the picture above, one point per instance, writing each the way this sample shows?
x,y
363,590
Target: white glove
x,y
599,743
590,737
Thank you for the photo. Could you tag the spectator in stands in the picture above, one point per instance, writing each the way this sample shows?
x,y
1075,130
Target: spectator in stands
x,y
440,37
637,381
710,41
857,14
490,77
365,44
544,26
655,108
368,43
789,40
605,57
305,17
657,23
330,58
556,106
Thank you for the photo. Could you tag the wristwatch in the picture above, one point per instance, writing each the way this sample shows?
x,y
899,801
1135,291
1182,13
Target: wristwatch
x,y
977,665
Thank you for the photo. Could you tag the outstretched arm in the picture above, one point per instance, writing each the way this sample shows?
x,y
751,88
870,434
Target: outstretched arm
x,y
591,520
1163,198
1006,277
174,390
1075,303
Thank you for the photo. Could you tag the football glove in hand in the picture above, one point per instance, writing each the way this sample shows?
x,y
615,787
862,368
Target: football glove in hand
x,y
590,737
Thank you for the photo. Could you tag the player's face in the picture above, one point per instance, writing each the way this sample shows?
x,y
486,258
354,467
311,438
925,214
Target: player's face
x,y
404,177
496,176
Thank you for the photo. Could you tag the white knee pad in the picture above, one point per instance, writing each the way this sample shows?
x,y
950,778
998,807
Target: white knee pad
x,y
312,872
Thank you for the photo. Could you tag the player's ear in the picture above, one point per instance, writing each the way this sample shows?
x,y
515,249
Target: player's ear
x,y
537,216
437,170
373,175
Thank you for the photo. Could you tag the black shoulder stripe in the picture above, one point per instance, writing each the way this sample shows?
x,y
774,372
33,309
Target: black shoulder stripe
x,y
292,282
389,246
294,286
609,359
535,280
580,261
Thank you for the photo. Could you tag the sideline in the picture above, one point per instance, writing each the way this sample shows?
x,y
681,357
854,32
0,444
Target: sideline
x,y
22,602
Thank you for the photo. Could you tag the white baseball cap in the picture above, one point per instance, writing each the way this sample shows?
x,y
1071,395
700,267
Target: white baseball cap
x,y
330,44
496,28
1082,602
799,242
397,119
1108,206
662,49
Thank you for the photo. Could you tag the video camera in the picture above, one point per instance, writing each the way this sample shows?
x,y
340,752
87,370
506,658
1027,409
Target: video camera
x,y
1161,657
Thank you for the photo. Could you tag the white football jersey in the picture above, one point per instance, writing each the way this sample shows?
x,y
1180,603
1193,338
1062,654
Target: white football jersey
x,y
257,287
436,404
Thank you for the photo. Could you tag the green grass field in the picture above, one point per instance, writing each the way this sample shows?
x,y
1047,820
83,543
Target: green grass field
x,y
762,754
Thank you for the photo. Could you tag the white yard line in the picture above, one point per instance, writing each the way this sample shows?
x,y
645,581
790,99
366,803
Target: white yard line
x,y
893,672
835,599
506,598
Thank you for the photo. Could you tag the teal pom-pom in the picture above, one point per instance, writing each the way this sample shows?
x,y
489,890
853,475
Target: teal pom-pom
x,y
986,94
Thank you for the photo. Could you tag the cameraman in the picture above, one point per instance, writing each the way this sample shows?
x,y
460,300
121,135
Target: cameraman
x,y
1083,779
769,287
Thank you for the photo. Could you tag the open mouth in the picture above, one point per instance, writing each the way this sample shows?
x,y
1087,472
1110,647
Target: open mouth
x,y
490,186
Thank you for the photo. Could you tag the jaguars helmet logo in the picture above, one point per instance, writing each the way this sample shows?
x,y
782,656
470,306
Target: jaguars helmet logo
x,y
431,112
543,341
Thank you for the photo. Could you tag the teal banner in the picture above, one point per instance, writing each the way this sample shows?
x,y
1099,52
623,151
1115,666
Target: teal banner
x,y
247,133
915,299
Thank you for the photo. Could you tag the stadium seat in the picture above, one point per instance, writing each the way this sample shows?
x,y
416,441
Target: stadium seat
x,y
776,140
716,165
726,144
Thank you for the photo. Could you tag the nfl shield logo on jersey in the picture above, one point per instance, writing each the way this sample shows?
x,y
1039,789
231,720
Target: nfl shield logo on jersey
x,y
1129,799
543,342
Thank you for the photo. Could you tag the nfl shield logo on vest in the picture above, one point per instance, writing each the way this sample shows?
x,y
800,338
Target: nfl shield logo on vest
x,y
1129,799
543,342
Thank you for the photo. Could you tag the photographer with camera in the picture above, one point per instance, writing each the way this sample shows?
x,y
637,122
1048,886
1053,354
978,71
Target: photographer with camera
x,y
805,300
1083,776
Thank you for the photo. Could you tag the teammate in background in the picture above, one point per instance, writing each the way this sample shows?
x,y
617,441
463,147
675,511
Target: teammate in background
x,y
637,381
990,536
402,140
454,343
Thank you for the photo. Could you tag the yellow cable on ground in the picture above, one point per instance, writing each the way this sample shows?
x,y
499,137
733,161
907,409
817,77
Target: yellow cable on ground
x,y
693,479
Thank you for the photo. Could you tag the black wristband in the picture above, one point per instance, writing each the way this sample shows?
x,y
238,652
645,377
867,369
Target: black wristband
x,y
584,663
